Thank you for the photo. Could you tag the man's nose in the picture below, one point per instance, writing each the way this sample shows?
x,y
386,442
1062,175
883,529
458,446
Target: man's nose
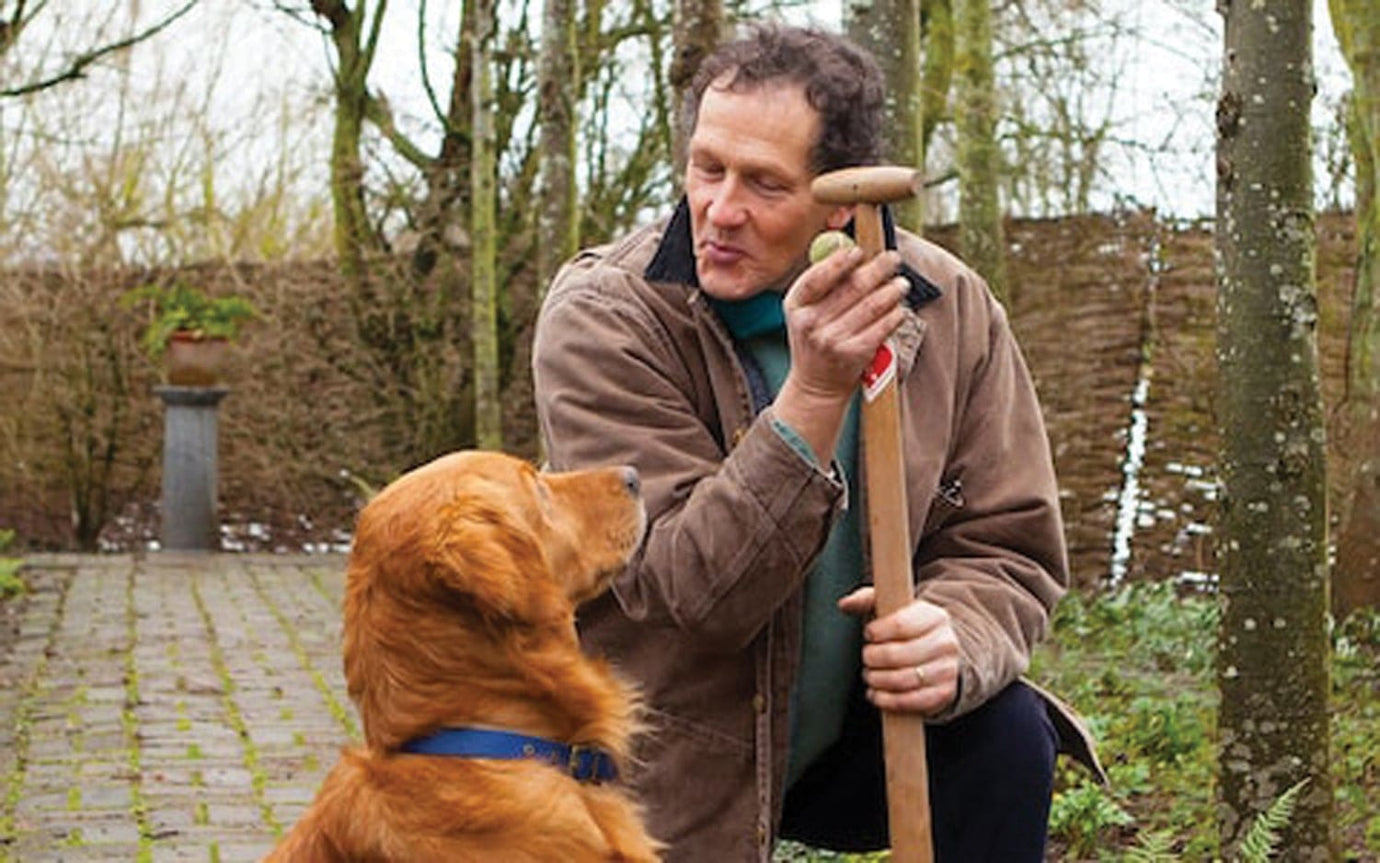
x,y
727,208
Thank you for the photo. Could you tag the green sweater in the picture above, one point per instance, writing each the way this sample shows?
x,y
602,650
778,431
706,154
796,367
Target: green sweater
x,y
831,641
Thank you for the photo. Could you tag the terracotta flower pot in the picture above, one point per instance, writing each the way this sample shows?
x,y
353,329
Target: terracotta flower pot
x,y
195,360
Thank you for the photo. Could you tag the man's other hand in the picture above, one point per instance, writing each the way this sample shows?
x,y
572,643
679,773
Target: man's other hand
x,y
911,656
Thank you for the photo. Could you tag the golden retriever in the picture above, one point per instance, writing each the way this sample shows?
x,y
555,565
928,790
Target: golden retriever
x,y
459,620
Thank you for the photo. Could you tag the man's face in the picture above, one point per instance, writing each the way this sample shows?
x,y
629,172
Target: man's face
x,y
748,185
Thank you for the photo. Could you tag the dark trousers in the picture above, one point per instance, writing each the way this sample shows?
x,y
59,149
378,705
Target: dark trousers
x,y
991,778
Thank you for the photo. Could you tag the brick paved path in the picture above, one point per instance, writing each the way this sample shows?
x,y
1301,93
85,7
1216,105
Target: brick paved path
x,y
170,706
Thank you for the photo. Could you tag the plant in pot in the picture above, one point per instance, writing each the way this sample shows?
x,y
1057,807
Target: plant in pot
x,y
190,328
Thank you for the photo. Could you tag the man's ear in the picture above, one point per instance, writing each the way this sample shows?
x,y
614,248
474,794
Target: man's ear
x,y
841,216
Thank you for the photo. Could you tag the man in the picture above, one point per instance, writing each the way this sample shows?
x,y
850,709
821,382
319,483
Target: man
x,y
708,353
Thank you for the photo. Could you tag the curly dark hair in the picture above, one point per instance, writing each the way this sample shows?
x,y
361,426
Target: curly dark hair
x,y
842,82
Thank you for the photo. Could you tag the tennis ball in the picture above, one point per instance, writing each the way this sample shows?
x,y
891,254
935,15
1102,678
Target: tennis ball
x,y
827,243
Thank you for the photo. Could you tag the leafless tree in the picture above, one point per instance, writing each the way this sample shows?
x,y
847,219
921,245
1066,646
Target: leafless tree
x,y
1274,652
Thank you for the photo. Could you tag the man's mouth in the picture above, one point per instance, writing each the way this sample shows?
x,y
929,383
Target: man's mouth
x,y
721,254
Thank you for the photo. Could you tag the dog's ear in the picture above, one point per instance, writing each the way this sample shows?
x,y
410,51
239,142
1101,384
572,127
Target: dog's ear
x,y
485,556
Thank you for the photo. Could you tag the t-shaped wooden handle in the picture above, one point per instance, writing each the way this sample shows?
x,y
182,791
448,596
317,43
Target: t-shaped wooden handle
x,y
866,189
903,734
874,184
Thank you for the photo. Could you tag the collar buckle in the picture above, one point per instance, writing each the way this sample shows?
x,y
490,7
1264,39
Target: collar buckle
x,y
590,764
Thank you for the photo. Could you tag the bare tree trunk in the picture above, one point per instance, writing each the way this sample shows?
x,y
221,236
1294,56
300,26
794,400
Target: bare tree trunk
x,y
696,28
488,409
980,234
890,29
409,326
443,213
937,43
558,226
354,33
1356,581
1273,664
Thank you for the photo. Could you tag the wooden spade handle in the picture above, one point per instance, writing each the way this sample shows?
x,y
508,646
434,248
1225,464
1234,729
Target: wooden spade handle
x,y
903,734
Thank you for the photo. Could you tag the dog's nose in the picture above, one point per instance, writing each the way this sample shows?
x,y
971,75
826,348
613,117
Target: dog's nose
x,y
631,481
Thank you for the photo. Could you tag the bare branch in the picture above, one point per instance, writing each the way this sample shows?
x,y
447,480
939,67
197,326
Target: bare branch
x,y
10,29
333,11
380,113
305,17
77,68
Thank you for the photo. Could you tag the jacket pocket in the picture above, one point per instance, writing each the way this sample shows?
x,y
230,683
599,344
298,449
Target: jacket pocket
x,y
696,785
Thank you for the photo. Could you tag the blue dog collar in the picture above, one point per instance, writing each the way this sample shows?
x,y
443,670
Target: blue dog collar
x,y
584,763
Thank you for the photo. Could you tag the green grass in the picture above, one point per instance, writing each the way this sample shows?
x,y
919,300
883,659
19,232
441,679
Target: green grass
x,y
1138,664
10,582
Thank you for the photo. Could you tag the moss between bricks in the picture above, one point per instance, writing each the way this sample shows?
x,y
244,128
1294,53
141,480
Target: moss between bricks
x,y
129,720
338,710
23,725
258,779
74,839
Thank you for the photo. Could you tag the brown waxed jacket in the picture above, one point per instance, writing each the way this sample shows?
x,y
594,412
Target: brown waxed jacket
x,y
706,618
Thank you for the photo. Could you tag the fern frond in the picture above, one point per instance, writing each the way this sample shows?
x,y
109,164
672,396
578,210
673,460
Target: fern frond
x,y
1154,847
1261,839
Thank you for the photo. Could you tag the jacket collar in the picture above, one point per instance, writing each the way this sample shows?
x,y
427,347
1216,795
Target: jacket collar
x,y
674,260
584,763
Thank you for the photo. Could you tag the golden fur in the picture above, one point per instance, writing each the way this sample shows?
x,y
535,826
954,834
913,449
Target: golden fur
x,y
459,610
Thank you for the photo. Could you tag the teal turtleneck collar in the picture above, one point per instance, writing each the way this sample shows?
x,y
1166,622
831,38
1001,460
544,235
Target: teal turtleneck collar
x,y
755,316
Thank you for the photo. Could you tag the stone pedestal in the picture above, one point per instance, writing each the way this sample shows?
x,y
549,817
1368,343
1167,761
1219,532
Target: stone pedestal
x,y
190,467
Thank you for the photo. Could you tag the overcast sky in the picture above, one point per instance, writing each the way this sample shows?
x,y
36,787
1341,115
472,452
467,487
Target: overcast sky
x,y
1164,97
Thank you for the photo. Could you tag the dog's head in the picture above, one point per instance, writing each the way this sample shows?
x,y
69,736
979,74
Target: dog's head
x,y
475,547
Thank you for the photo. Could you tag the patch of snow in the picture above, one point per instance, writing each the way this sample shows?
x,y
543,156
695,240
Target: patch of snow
x,y
1128,500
